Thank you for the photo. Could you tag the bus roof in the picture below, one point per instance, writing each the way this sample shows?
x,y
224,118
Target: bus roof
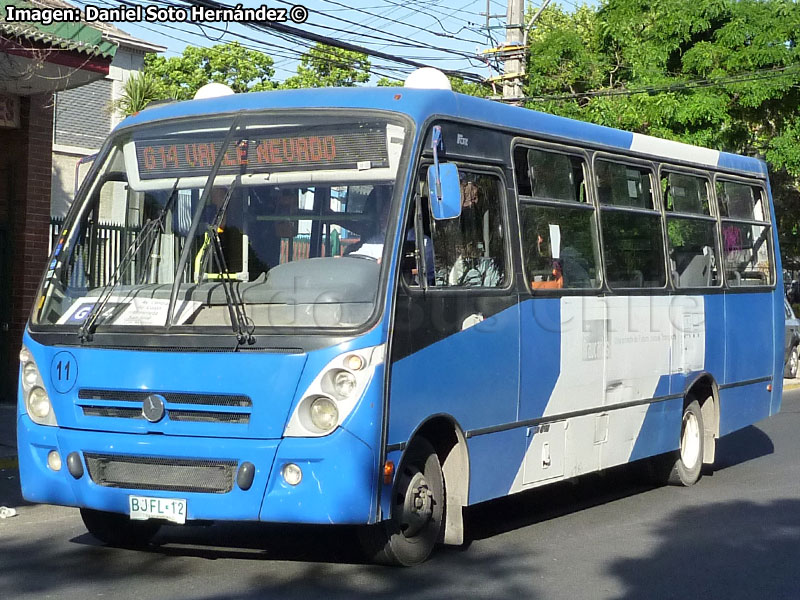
x,y
422,104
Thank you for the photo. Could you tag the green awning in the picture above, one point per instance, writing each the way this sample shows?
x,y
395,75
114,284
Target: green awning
x,y
78,37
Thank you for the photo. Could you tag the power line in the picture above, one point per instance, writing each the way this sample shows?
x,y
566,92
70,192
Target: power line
x,y
315,37
758,75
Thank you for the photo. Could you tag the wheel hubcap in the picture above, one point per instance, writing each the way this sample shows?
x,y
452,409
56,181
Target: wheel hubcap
x,y
690,441
417,505
793,361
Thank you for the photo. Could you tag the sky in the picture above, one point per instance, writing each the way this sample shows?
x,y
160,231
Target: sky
x,y
448,34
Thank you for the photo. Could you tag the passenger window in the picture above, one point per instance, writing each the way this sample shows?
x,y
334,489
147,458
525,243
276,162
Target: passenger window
x,y
549,175
747,256
470,251
685,194
746,246
623,185
634,254
693,252
559,240
633,240
559,246
741,201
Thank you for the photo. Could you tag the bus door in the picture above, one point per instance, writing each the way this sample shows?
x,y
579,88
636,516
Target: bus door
x,y
455,348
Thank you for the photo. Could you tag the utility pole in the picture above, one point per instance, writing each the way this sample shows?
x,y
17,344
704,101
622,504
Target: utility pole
x,y
514,52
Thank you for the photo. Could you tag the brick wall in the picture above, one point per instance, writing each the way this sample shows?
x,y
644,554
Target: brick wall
x,y
28,218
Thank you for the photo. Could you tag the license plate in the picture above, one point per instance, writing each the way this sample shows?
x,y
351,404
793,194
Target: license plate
x,y
170,509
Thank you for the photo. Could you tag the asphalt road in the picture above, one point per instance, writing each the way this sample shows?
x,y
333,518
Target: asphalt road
x,y
736,534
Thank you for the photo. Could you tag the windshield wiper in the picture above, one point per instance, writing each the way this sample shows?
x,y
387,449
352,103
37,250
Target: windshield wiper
x,y
149,233
239,321
243,327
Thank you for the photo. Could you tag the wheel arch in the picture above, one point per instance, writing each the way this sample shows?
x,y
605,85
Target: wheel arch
x,y
447,437
703,388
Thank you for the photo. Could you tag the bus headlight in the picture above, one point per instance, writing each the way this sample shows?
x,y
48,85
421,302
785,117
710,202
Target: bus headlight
x,y
344,384
37,402
30,375
334,393
324,413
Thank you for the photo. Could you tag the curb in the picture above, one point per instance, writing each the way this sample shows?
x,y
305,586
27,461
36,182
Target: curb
x,y
791,386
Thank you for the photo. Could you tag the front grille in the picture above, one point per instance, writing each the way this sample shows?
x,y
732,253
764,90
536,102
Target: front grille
x,y
130,405
171,397
113,412
170,474
199,416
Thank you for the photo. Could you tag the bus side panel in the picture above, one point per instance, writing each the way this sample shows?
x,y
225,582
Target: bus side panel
x,y
749,356
470,374
715,338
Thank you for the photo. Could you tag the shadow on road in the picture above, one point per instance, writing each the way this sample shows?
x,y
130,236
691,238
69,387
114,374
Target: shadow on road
x,y
739,548
725,550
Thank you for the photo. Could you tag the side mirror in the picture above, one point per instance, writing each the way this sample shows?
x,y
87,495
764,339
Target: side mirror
x,y
444,191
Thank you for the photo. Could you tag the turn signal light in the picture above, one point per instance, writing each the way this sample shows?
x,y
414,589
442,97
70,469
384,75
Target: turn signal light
x,y
388,472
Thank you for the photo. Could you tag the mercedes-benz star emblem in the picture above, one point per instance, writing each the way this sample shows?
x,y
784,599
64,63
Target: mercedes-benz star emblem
x,y
153,408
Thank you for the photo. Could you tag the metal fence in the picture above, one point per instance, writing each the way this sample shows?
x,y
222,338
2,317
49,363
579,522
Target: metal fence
x,y
101,246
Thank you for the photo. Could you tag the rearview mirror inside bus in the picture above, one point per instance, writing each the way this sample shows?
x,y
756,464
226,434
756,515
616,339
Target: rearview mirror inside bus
x,y
445,191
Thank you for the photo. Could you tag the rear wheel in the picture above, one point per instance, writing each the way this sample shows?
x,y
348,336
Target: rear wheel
x,y
418,505
790,372
117,529
687,463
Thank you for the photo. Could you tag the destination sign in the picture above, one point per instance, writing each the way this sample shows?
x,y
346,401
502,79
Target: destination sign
x,y
342,147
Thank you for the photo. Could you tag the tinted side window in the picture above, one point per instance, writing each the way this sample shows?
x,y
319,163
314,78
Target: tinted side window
x,y
741,201
746,245
685,193
471,251
633,240
559,240
623,185
693,252
559,245
549,175
746,252
633,248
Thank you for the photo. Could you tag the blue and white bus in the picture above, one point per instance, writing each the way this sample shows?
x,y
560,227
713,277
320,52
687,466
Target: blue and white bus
x,y
380,306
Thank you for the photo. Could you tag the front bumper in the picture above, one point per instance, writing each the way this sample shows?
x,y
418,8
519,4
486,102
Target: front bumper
x,y
338,483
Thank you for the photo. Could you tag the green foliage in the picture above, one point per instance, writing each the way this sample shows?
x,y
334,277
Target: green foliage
x,y
139,90
241,69
723,74
326,66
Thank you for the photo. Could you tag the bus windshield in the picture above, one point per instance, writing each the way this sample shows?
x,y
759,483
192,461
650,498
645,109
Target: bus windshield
x,y
274,220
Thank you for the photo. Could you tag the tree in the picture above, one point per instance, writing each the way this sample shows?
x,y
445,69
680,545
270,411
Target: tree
x,y
138,91
718,73
326,66
240,68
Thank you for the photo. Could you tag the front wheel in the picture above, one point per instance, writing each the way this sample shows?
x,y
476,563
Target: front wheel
x,y
418,505
117,529
687,463
790,372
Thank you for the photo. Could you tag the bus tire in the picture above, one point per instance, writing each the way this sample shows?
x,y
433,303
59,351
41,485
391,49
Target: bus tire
x,y
418,505
117,529
687,462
